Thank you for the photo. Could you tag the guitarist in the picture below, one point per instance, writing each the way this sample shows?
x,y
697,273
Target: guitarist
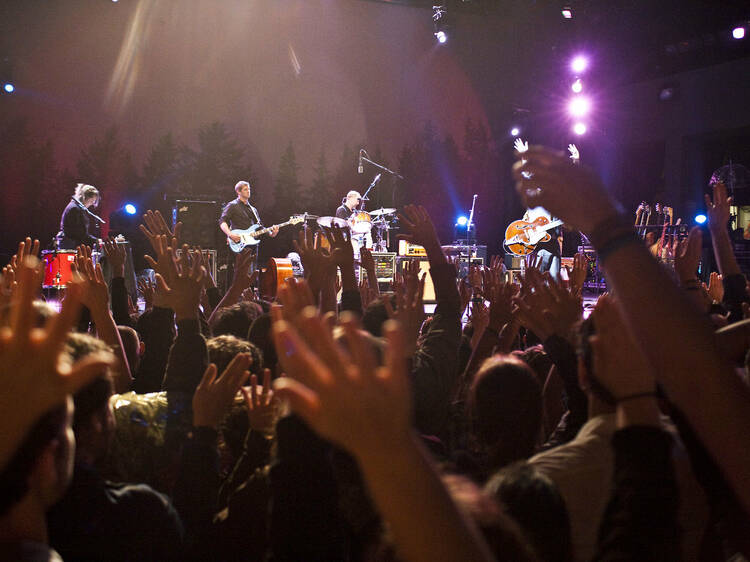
x,y
240,214
547,254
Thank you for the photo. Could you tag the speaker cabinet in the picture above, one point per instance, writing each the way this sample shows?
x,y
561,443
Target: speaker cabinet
x,y
200,222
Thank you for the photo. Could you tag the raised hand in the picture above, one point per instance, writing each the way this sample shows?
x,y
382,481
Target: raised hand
x,y
7,284
146,288
577,275
688,256
342,251
619,363
164,262
575,156
156,226
184,290
95,293
214,396
34,375
501,304
316,260
261,407
417,222
344,395
715,287
25,248
116,255
294,295
520,145
573,193
409,309
718,208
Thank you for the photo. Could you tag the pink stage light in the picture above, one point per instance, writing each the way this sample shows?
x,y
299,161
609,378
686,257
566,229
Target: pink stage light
x,y
579,128
579,64
577,86
738,32
579,106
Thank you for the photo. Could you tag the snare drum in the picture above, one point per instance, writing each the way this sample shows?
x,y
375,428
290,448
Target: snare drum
x,y
57,270
360,222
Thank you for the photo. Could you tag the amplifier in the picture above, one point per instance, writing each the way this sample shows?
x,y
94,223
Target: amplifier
x,y
200,222
410,250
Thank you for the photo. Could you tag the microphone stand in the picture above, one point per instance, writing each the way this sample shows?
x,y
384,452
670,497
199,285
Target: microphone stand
x,y
366,158
470,223
364,197
82,206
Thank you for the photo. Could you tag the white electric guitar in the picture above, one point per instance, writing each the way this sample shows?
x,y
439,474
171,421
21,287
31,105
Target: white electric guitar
x,y
251,236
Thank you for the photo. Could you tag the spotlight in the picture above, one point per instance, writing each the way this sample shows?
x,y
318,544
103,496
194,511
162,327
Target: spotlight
x,y
462,221
440,24
130,209
738,32
567,13
579,128
579,106
577,86
441,37
9,88
700,218
515,131
579,64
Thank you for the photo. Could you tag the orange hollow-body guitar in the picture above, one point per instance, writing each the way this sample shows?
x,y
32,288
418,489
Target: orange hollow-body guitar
x,y
521,237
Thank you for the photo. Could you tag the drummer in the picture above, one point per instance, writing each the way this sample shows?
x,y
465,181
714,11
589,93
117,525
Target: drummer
x,y
350,202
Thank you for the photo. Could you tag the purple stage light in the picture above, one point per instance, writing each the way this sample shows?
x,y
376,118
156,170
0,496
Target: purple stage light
x,y
738,32
577,86
579,64
441,37
579,106
579,128
515,131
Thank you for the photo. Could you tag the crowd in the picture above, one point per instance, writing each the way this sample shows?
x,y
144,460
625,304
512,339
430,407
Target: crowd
x,y
337,423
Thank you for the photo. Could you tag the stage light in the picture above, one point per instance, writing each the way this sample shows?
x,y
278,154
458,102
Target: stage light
x,y
441,37
462,221
9,88
579,128
700,218
738,32
130,209
579,106
515,131
567,13
577,86
579,64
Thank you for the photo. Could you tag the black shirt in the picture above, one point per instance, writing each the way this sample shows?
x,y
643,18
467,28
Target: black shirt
x,y
239,215
343,212
74,225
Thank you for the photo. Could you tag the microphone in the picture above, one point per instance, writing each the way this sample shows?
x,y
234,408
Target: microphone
x,y
360,167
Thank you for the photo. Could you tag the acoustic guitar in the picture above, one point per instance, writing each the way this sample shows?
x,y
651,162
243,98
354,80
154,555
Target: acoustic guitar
x,y
521,237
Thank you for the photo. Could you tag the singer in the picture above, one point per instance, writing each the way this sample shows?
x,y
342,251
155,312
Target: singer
x,y
74,224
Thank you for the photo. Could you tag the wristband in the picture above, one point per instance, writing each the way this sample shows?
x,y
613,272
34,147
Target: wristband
x,y
635,396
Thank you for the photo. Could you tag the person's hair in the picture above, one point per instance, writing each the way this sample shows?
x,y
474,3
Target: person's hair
x,y
131,346
260,336
236,320
505,404
535,503
14,478
222,349
239,185
536,358
42,312
353,193
94,396
84,192
375,315
586,329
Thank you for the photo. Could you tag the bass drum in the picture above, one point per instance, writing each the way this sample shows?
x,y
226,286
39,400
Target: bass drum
x,y
57,268
276,272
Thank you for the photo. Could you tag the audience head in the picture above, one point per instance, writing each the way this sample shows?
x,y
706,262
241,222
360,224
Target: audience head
x,y
535,503
505,404
236,319
260,336
222,349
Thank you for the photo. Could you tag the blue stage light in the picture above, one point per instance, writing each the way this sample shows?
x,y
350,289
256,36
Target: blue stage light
x,y
700,218
130,209
462,221
9,88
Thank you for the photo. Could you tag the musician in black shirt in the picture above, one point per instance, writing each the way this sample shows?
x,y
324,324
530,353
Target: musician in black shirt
x,y
74,224
240,214
350,203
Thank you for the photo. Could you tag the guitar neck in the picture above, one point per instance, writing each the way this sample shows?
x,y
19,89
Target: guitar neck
x,y
549,226
270,228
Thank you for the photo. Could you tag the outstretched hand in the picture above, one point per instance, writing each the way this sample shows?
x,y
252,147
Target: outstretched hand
x,y
35,374
156,226
573,193
214,396
421,231
718,209
184,290
261,406
116,255
343,394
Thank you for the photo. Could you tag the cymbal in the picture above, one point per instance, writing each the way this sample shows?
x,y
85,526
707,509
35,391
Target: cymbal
x,y
328,222
382,211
